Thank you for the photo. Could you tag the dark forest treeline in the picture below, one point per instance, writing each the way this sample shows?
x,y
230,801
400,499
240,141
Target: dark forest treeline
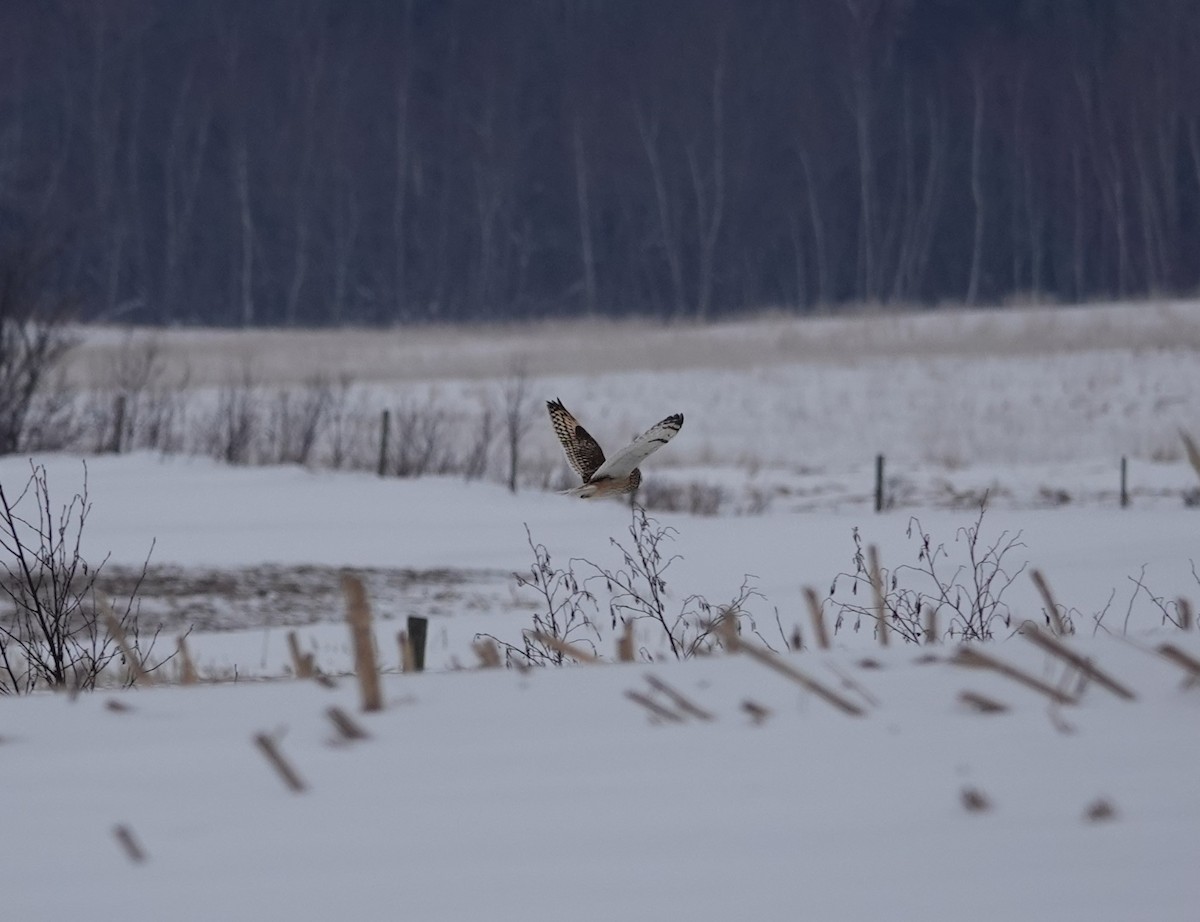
x,y
328,161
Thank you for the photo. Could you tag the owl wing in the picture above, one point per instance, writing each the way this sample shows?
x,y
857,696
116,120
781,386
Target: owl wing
x,y
583,452
623,462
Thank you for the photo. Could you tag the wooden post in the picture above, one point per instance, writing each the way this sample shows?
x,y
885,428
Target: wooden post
x,y
1124,482
384,430
114,446
417,629
879,483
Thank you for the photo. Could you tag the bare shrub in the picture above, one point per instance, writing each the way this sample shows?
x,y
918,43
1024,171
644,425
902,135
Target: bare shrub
x,y
1174,612
56,421
638,590
565,612
966,596
421,440
146,406
1191,497
57,635
235,421
518,417
475,460
352,435
296,418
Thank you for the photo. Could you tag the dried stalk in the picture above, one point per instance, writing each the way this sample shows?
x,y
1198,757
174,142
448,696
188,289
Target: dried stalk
x,y
129,843
561,646
268,748
972,658
358,614
818,617
677,698
132,661
653,706
187,669
734,643
303,664
876,577
1087,667
1048,597
347,727
982,703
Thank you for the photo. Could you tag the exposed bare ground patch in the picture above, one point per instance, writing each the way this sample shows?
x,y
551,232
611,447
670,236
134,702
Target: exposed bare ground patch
x,y
271,595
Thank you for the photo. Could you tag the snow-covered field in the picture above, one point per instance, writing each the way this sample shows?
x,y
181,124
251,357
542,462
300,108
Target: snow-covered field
x,y
551,794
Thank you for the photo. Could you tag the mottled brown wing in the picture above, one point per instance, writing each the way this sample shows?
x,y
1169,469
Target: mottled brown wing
x,y
583,452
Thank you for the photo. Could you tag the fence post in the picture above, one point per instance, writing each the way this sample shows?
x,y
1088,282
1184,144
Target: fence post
x,y
1124,482
114,446
879,483
417,629
385,428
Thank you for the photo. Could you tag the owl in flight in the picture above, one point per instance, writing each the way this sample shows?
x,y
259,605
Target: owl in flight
x,y
619,474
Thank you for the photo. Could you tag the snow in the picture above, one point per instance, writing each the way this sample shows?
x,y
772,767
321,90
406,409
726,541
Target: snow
x,y
550,794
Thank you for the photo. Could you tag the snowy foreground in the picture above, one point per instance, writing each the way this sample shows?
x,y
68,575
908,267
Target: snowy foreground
x,y
551,794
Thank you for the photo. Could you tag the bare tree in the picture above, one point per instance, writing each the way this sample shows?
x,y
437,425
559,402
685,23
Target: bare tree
x,y
976,186
518,417
32,339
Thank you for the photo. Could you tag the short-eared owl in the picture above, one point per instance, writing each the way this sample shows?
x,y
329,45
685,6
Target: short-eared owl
x,y
619,474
